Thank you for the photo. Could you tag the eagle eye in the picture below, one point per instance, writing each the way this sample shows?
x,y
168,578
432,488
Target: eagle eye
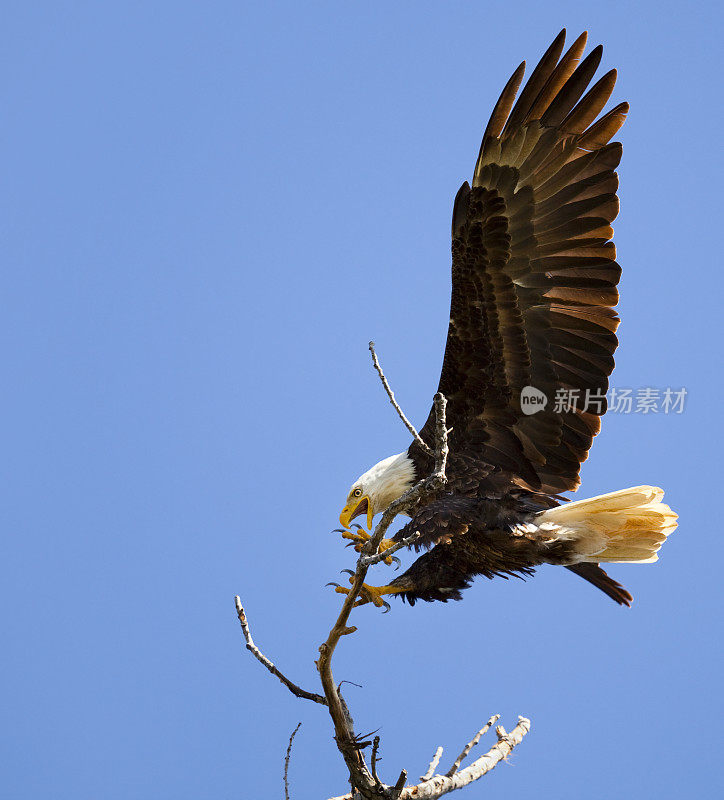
x,y
357,492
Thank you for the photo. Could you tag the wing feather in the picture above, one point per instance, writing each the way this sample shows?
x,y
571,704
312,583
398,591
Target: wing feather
x,y
558,78
504,104
590,107
534,84
570,93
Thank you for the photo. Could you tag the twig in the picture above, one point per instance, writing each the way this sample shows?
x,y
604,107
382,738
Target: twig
x,y
469,746
369,561
373,758
396,792
433,482
406,422
441,436
254,650
286,762
433,766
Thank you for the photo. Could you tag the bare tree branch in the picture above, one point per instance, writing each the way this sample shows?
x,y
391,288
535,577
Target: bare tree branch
x,y
254,650
360,775
406,422
441,438
433,766
469,746
396,792
369,561
373,758
438,785
366,785
286,762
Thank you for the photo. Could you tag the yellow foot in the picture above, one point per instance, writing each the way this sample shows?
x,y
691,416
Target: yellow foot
x,y
371,594
362,537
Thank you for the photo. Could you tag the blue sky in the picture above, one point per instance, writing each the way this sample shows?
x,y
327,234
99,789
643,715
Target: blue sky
x,y
208,209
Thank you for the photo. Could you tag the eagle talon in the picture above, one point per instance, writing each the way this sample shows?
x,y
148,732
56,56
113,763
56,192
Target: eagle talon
x,y
337,586
360,537
371,594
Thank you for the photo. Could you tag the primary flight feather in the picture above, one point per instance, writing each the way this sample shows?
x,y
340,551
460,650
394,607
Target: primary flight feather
x,y
534,281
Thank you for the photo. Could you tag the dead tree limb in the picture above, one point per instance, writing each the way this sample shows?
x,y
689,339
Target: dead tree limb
x,y
432,766
368,561
469,746
439,785
297,691
286,761
360,774
364,780
406,422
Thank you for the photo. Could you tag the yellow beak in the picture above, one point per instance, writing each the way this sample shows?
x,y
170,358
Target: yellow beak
x,y
355,507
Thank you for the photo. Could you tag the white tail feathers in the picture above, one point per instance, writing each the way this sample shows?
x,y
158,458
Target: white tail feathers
x,y
629,525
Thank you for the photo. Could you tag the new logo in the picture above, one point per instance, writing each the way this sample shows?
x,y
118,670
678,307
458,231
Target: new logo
x,y
532,400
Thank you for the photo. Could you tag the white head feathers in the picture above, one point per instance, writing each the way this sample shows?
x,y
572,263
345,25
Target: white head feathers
x,y
386,481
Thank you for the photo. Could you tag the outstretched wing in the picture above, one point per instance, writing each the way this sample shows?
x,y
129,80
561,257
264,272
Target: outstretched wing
x,y
534,276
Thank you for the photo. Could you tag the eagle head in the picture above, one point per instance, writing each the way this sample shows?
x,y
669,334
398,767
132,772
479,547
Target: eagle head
x,y
372,492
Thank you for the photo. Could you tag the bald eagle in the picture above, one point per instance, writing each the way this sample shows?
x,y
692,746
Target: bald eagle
x,y
534,282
